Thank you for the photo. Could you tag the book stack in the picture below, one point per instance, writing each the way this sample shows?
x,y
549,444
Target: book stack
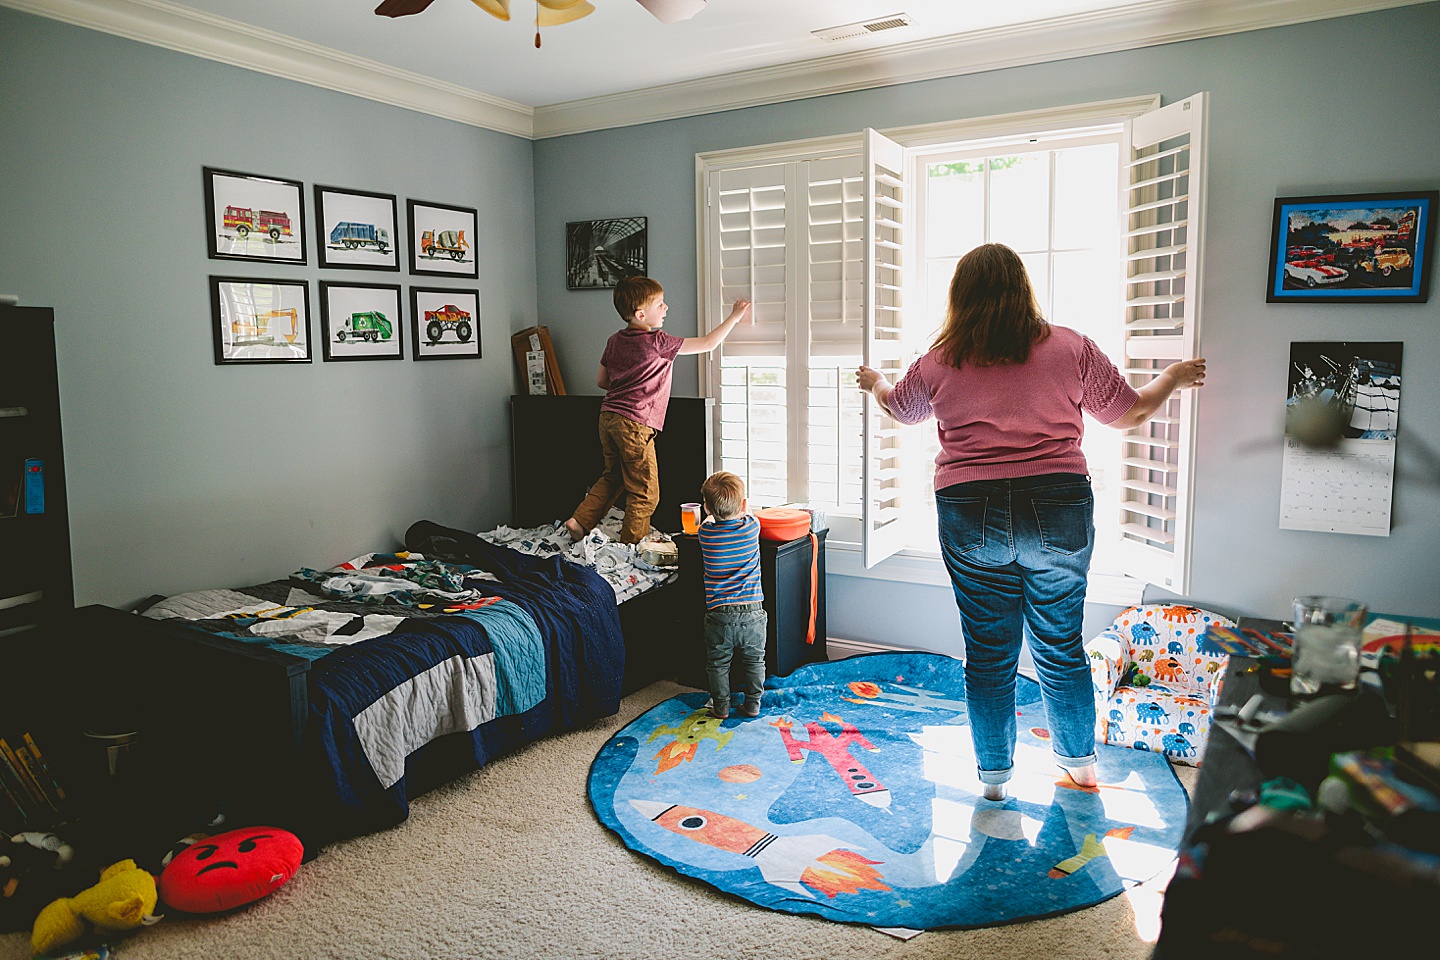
x,y
1247,642
31,797
1405,812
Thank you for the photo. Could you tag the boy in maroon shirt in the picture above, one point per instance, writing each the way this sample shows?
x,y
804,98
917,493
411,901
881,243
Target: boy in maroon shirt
x,y
635,375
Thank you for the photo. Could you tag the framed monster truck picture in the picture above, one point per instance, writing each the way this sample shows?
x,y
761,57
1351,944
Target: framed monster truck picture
x,y
445,324
441,240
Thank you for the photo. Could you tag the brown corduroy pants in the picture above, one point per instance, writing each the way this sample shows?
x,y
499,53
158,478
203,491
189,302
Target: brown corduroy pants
x,y
630,468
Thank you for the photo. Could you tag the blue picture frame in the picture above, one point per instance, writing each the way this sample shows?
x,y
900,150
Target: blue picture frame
x,y
1354,248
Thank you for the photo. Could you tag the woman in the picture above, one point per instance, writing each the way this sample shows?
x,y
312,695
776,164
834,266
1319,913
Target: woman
x,y
1013,496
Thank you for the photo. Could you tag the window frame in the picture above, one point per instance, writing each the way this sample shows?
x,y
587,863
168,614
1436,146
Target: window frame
x,y
1070,121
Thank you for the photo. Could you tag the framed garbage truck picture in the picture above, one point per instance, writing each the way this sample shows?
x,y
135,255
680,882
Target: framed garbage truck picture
x,y
355,230
250,217
1356,248
442,240
361,321
260,321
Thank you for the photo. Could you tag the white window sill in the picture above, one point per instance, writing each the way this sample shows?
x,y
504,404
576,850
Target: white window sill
x,y
843,559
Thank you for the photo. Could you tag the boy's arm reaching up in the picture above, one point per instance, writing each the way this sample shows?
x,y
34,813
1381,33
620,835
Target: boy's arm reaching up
x,y
714,338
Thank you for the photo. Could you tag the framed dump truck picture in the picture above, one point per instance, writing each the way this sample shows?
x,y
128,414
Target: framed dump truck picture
x,y
355,230
361,321
442,240
260,321
250,217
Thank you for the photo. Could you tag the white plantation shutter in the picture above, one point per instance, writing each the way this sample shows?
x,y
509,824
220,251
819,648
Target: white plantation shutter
x,y
882,531
749,217
1162,202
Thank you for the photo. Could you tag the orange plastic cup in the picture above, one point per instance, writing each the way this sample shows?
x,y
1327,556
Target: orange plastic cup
x,y
690,517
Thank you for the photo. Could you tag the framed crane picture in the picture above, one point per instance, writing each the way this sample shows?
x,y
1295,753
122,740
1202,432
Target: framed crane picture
x,y
599,253
260,321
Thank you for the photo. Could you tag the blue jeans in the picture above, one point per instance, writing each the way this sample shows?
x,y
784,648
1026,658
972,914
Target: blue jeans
x,y
1018,552
736,629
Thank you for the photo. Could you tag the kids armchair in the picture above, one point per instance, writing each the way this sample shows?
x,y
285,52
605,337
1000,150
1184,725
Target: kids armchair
x,y
1155,682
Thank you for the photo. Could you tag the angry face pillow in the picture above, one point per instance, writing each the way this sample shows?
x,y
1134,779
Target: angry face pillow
x,y
230,869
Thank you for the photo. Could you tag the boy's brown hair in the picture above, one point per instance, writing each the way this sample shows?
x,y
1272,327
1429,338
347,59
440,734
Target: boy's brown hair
x,y
724,495
632,293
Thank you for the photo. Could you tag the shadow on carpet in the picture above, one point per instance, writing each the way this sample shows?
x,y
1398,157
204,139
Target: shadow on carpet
x,y
853,796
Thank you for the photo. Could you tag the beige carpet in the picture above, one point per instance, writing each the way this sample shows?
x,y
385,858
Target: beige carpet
x,y
510,862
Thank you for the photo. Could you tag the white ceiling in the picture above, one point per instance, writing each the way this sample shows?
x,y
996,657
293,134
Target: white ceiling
x,y
620,65
619,47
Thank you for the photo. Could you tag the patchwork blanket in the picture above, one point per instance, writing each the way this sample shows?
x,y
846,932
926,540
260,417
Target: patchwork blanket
x,y
406,647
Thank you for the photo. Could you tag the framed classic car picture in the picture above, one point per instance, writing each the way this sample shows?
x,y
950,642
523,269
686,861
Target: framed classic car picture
x,y
1357,248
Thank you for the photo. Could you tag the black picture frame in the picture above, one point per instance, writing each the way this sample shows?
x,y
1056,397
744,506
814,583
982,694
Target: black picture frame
x,y
356,229
361,321
260,320
1352,248
442,239
452,314
599,253
254,217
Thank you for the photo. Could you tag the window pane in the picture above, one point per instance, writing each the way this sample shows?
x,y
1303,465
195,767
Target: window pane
x,y
1020,201
753,433
1085,214
1087,294
1038,266
955,220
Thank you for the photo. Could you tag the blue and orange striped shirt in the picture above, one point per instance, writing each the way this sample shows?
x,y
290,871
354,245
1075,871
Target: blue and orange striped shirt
x,y
730,551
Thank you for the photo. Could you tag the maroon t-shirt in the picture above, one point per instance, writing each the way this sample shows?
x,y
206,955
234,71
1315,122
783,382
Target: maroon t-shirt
x,y
639,363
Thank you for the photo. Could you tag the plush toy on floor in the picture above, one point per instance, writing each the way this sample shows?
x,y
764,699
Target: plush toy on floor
x,y
122,901
230,869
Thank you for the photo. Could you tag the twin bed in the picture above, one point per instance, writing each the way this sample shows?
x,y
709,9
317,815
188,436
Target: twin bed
x,y
326,700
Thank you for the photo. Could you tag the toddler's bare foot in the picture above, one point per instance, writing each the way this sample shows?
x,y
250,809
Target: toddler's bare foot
x,y
573,528
1084,776
995,791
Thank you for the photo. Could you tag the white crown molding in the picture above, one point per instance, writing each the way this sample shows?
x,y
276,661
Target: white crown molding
x,y
1144,24
227,41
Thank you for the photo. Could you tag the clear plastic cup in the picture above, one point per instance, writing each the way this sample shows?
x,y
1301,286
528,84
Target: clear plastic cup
x,y
1327,646
690,517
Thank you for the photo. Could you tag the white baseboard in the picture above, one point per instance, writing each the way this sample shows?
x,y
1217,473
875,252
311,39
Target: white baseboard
x,y
840,649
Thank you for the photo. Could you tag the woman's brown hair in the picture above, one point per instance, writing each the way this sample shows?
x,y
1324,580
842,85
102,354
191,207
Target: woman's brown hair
x,y
992,316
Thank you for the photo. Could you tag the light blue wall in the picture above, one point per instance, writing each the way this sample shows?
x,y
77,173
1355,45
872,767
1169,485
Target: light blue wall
x,y
183,474
1344,105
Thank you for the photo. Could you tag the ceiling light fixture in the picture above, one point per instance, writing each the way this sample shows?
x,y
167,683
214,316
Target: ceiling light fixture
x,y
669,11
550,13
499,9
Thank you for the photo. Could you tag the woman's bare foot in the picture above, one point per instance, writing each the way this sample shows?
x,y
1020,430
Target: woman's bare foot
x,y
995,791
573,528
1084,776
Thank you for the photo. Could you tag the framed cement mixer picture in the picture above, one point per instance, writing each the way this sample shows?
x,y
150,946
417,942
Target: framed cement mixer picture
x,y
442,239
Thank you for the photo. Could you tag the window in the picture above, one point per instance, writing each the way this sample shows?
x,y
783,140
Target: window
x,y
846,247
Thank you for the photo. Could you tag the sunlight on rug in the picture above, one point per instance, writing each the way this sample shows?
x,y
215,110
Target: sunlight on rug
x,y
853,796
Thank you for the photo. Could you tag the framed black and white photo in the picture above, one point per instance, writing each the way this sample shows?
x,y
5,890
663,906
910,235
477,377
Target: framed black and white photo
x,y
260,321
600,253
356,229
1354,248
250,217
445,324
442,239
361,321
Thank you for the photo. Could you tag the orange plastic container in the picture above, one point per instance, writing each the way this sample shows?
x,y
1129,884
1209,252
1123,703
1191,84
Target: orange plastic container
x,y
782,523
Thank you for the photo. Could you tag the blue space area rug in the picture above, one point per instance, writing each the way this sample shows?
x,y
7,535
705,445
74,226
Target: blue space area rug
x,y
853,796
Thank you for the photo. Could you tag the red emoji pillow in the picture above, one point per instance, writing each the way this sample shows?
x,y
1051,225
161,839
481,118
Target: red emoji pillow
x,y
230,869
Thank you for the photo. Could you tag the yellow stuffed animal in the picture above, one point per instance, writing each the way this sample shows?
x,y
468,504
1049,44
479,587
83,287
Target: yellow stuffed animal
x,y
124,899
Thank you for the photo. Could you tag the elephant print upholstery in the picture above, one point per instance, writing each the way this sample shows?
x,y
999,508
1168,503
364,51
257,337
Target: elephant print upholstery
x,y
1157,701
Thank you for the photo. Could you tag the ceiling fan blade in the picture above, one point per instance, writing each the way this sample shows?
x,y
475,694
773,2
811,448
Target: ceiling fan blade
x,y
402,8
669,11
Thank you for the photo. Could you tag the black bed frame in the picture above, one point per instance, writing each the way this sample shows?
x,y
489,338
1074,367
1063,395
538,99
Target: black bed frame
x,y
219,718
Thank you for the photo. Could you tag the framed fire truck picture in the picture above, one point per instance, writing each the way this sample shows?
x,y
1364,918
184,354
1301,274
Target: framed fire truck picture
x,y
249,217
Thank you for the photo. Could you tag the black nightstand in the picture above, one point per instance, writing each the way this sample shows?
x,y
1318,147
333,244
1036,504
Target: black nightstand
x,y
785,569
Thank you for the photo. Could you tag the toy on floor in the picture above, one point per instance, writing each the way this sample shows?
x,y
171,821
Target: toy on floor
x,y
36,868
122,901
230,869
